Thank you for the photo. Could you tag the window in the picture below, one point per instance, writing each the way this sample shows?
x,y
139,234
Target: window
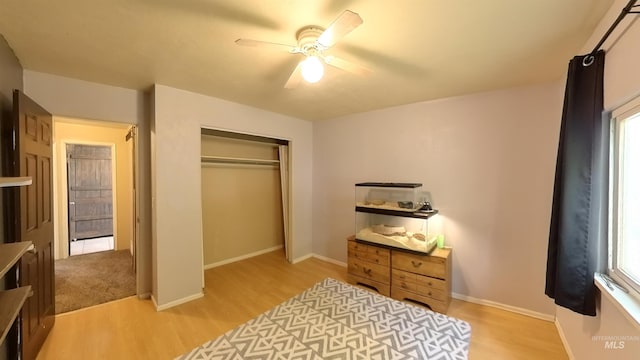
x,y
625,195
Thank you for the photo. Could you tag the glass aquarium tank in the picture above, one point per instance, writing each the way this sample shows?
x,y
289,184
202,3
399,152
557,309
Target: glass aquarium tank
x,y
397,215
391,196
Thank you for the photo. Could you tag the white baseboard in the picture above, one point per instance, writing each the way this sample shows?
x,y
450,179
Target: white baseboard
x,y
329,260
302,258
175,302
515,309
144,296
319,257
242,257
565,343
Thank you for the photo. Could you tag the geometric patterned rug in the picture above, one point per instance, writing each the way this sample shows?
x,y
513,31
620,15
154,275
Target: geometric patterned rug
x,y
334,320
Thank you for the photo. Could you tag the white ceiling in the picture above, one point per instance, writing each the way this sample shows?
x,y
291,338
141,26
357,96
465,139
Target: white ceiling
x,y
418,49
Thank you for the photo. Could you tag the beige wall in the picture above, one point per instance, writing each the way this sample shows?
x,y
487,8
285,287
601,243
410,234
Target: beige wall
x,y
73,131
621,83
79,99
488,160
178,116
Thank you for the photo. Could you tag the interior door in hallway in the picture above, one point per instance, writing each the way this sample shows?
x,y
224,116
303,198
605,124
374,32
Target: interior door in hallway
x,y
89,191
30,153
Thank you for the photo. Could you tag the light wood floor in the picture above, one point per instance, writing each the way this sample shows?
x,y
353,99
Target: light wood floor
x,y
132,329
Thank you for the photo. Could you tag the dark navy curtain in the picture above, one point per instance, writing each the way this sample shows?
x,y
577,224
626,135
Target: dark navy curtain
x,y
577,237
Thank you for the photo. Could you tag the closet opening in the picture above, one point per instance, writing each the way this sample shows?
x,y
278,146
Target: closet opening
x,y
245,196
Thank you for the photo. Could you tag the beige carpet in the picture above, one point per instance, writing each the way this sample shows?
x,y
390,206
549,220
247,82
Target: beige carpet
x,y
92,279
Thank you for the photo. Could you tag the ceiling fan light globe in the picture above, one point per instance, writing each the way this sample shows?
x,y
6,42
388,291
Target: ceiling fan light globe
x,y
312,69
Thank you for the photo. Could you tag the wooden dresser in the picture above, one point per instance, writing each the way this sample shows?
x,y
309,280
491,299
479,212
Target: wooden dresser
x,y
422,278
402,275
369,265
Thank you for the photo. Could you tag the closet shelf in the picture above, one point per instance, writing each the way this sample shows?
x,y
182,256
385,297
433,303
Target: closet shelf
x,y
11,302
10,253
235,160
15,181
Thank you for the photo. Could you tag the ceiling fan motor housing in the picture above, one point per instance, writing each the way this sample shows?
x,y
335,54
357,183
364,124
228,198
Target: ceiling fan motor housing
x,y
307,39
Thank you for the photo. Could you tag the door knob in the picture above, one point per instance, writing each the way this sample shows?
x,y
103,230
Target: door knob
x,y
32,249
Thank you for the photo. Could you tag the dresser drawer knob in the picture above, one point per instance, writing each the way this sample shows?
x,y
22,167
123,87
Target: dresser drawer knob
x,y
403,285
429,293
416,264
430,284
367,271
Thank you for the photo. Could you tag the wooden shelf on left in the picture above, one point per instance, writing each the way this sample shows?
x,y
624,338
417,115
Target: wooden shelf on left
x,y
15,181
10,253
11,302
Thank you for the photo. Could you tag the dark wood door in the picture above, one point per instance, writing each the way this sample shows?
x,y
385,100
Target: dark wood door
x,y
31,155
89,191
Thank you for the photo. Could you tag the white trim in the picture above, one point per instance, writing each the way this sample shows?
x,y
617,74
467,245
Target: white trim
x,y
563,338
319,257
329,260
626,303
176,302
515,309
627,109
145,296
242,257
302,258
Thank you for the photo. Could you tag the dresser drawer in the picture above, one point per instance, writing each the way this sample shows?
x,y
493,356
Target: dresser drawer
x,y
384,289
420,284
432,283
431,292
399,275
420,264
379,256
369,253
440,306
405,285
358,254
369,270
356,246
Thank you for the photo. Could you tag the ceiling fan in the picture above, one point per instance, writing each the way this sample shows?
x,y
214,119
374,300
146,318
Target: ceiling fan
x,y
313,41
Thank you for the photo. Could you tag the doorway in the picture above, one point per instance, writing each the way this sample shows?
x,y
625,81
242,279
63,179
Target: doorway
x,y
94,197
90,198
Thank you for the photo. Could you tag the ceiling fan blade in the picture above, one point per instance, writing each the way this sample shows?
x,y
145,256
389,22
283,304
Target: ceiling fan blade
x,y
340,27
295,78
265,44
347,65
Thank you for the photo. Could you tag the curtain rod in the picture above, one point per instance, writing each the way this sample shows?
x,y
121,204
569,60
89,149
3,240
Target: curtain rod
x,y
237,161
588,60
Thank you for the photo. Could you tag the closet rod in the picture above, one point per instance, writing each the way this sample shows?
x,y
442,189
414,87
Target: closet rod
x,y
234,160
588,60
